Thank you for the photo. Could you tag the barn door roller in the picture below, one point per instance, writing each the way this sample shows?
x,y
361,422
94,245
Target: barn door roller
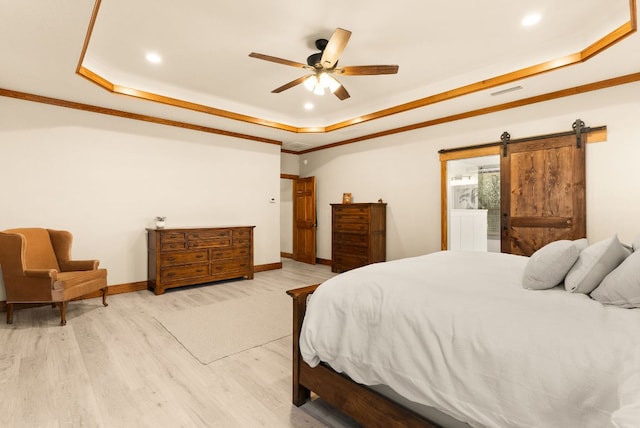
x,y
505,137
580,129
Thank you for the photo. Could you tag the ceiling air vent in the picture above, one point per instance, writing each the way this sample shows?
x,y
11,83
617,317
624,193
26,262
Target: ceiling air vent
x,y
506,91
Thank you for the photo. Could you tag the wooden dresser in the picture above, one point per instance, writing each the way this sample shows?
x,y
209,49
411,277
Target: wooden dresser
x,y
187,256
358,235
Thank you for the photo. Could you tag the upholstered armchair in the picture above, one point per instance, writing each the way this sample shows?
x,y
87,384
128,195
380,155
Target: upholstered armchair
x,y
37,268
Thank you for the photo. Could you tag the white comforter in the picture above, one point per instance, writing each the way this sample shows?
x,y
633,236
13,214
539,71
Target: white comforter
x,y
456,331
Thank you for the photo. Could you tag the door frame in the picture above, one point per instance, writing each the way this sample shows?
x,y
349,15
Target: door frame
x,y
464,153
288,177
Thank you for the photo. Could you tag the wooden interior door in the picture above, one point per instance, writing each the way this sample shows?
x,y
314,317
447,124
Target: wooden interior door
x,y
542,193
304,220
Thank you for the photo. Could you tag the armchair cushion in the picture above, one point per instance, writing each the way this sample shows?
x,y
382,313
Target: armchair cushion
x,y
70,285
39,254
61,242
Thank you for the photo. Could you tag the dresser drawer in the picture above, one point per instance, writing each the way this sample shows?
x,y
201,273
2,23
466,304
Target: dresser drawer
x,y
241,233
344,262
351,239
356,250
173,246
241,242
225,266
172,237
354,217
210,243
351,227
183,258
228,253
350,209
184,272
208,235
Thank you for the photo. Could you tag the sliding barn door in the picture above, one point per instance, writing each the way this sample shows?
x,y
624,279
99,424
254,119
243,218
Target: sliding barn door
x,y
542,193
304,220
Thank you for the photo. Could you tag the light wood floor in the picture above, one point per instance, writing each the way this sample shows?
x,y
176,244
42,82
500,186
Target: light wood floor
x,y
118,367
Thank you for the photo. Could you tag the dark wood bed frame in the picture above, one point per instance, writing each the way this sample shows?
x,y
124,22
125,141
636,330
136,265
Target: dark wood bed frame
x,y
364,405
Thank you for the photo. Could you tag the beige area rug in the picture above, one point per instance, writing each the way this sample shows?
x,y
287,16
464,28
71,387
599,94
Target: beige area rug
x,y
215,331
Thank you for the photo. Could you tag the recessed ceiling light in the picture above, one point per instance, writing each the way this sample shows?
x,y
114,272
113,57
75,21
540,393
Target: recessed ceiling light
x,y
154,58
308,106
531,19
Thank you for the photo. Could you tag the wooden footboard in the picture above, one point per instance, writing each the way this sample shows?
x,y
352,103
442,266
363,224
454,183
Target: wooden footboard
x,y
364,405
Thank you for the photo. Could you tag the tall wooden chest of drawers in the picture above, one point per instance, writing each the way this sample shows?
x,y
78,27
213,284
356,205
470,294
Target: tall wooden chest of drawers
x,y
358,235
187,256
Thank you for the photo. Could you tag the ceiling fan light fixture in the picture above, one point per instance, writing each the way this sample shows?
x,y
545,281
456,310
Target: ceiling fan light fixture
x,y
317,83
310,82
318,90
329,82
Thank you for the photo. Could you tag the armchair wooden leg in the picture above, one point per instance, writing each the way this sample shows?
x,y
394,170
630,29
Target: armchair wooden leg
x,y
63,313
104,296
9,313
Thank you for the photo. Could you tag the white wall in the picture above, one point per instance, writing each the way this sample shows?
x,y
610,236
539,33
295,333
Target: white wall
x,y
404,169
289,164
106,178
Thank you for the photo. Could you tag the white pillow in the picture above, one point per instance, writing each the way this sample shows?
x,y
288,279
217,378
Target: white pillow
x,y
548,266
622,286
636,243
581,244
594,263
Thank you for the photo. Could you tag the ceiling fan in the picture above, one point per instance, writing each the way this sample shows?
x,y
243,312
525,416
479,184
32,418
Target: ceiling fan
x,y
324,65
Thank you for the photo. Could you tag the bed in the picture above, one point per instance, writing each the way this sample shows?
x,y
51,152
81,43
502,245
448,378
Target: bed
x,y
453,339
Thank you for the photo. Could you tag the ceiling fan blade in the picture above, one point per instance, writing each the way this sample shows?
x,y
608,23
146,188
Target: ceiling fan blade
x,y
341,93
363,70
334,48
277,60
289,85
